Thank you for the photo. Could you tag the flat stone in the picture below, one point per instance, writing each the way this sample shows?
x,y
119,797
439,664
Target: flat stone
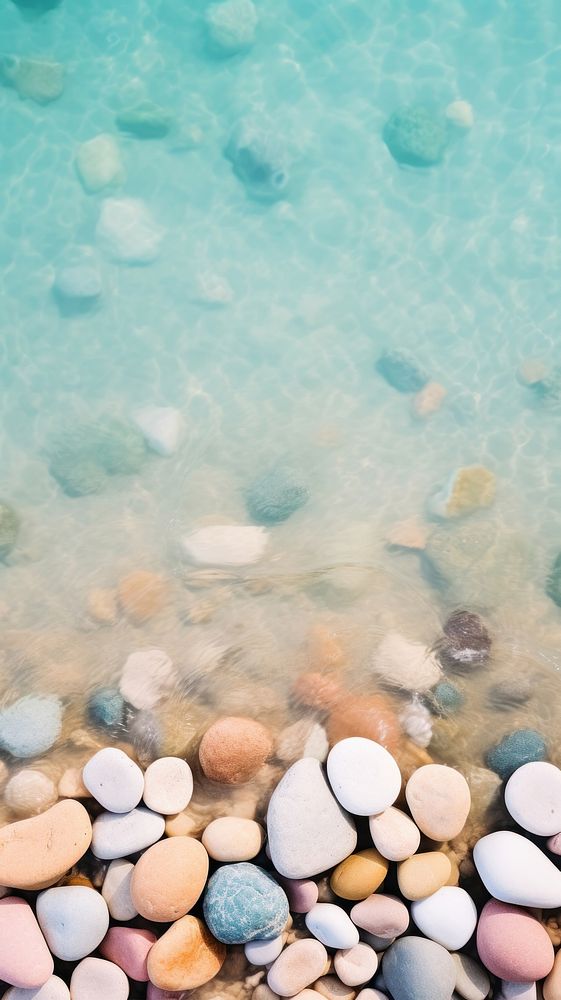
x,y
423,874
161,428
409,534
244,903
225,545
514,870
25,960
264,952
308,831
364,777
96,977
515,749
40,80
533,798
79,282
185,957
145,120
429,399
234,749
405,664
231,26
470,488
99,164
380,915
417,969
298,966
36,852
448,917
356,965
116,835
114,780
395,835
168,785
74,920
29,792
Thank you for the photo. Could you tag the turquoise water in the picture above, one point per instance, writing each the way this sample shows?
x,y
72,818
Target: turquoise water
x,y
261,320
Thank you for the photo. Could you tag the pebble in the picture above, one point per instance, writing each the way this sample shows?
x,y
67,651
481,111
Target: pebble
x,y
472,981
142,595
71,786
234,749
41,80
417,969
446,698
448,917
466,642
99,164
297,967
116,890
102,606
423,874
160,427
129,947
401,371
517,991
359,875
439,799
225,545
356,965
231,26
429,399
517,748
332,926
185,957
332,988
168,785
533,798
169,878
244,903
127,231
305,738
74,920
31,725
552,983
405,664
364,777
106,708
469,488
371,716
25,960
114,780
514,870
302,893
77,286
409,534
460,113
95,977
512,944
275,496
264,952
232,838
36,852
29,792
383,916
395,835
146,736
116,835
146,677
53,989
307,829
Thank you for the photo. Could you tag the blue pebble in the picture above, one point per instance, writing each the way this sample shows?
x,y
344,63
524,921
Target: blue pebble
x,y
417,969
106,708
244,903
447,698
520,747
275,496
31,725
401,371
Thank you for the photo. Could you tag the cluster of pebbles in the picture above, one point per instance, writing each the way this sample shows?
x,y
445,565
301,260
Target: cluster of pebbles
x,y
349,890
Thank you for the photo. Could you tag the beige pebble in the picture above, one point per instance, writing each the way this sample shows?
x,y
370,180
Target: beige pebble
x,y
297,967
231,838
142,595
71,785
234,749
532,372
356,966
116,890
332,988
181,825
169,878
102,606
395,834
552,982
307,994
36,852
429,399
264,992
359,875
423,874
29,792
439,799
409,534
185,957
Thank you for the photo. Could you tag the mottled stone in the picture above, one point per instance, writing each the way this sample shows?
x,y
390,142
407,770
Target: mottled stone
x,y
517,748
401,371
275,497
416,136
244,903
469,488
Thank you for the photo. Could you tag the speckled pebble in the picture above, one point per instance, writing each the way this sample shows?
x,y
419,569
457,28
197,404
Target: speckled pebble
x,y
356,966
31,725
517,748
234,749
446,698
233,838
244,903
96,977
74,920
168,785
114,780
383,916
332,926
116,835
29,792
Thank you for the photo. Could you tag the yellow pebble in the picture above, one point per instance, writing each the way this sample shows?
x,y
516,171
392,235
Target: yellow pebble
x,y
359,875
423,874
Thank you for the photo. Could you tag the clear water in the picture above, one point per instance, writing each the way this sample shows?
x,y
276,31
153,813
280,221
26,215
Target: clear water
x,y
458,264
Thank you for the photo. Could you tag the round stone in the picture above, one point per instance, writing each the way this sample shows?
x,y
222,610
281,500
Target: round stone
x,y
74,920
356,965
95,977
244,903
264,952
359,875
517,748
446,698
38,851
25,960
332,926
448,917
395,835
234,749
31,725
29,792
299,965
416,136
460,113
514,870
364,777
423,874
302,893
116,890
512,944
466,643
114,780
383,916
439,799
116,835
417,969
142,594
53,989
168,785
233,838
129,947
169,878
533,798
106,708
372,717
185,957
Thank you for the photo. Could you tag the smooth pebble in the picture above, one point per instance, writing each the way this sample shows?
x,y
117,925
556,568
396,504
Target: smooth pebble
x,y
472,981
129,947
225,545
448,917
332,926
417,969
395,835
114,780
297,967
356,966
96,977
116,835
233,838
364,777
439,799
264,952
31,725
359,875
533,798
169,878
74,920
234,749
512,944
25,960
54,989
383,916
36,852
146,677
423,874
514,870
29,792
186,956
116,890
168,785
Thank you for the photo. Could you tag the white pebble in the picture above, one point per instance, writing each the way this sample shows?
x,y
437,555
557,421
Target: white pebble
x,y
460,113
356,965
74,920
116,890
364,777
395,835
168,785
533,798
332,926
95,978
416,721
30,792
116,835
517,991
160,427
225,545
147,676
114,780
514,870
264,952
53,989
448,917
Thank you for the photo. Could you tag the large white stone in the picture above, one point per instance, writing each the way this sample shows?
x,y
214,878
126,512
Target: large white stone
x,y
147,676
406,664
515,871
225,545
168,785
114,780
74,920
99,164
127,231
161,428
308,830
448,917
533,798
364,777
116,835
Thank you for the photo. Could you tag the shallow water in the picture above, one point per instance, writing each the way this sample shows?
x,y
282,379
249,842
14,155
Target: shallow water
x,y
457,264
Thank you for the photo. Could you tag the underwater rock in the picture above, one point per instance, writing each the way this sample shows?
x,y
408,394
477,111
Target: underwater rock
x,y
99,165
469,488
517,748
9,528
40,80
142,594
243,903
146,736
83,458
275,496
405,664
446,699
160,427
479,562
127,231
259,161
231,26
225,545
401,371
416,136
466,642
544,381
409,534
416,722
509,693
106,708
553,583
429,400
77,287
460,114
31,725
102,606
145,120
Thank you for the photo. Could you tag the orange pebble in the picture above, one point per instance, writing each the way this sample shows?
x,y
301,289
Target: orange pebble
x,y
324,649
234,749
371,716
315,690
142,594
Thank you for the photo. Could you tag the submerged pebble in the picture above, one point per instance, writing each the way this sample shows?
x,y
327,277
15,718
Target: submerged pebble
x,y
448,917
146,677
466,641
99,164
231,26
401,371
106,708
31,725
416,136
127,231
29,792
234,749
95,977
39,80
225,545
468,489
405,664
74,920
275,497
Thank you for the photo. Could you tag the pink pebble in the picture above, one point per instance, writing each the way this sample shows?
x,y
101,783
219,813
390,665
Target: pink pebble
x,y
128,947
512,944
25,960
554,844
302,893
156,994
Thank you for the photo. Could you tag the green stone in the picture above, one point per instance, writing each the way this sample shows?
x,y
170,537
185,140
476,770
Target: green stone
x,y
416,136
